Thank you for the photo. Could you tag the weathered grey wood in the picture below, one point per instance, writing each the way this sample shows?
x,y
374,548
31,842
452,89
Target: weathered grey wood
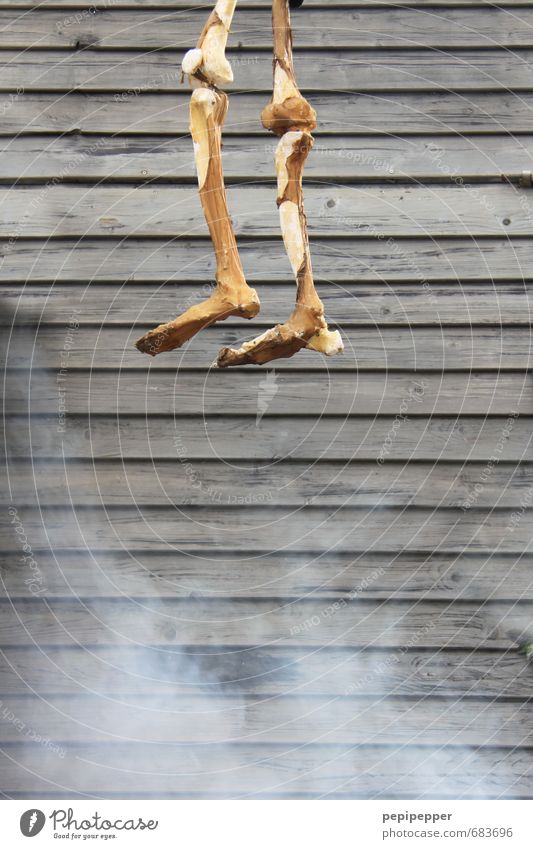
x,y
156,574
384,5
286,719
391,348
211,393
168,210
338,158
403,113
156,482
486,26
402,567
241,623
127,73
369,260
129,672
139,304
237,438
231,529
269,771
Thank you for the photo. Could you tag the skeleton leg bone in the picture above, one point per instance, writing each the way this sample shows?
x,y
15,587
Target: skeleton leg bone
x,y
207,66
290,116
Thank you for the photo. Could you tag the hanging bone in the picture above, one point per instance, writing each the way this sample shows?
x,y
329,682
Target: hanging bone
x,y
290,116
207,67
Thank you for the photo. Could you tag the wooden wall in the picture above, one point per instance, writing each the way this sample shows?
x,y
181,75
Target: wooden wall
x,y
312,583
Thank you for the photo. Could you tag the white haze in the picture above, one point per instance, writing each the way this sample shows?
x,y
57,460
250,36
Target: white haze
x,y
134,689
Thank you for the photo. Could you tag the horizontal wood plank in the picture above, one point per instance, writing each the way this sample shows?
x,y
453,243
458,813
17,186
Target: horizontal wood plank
x,y
156,482
292,720
132,673
138,304
339,158
360,114
370,260
181,5
287,575
315,27
272,530
128,73
167,211
249,392
389,348
270,771
238,438
330,628
176,623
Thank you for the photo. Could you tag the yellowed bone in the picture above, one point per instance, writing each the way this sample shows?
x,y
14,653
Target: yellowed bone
x,y
307,327
232,296
207,61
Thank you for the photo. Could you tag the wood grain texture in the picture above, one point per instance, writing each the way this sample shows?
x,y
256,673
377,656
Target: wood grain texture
x,y
340,394
156,482
339,158
269,771
441,113
316,27
370,260
237,438
381,347
134,673
326,27
384,5
174,623
129,72
333,598
274,530
336,210
173,574
373,305
286,719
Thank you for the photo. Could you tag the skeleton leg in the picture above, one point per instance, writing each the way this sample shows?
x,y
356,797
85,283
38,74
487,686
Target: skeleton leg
x,y
207,67
290,116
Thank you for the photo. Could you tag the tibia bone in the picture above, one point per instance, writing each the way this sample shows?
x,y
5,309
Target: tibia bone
x,y
307,327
